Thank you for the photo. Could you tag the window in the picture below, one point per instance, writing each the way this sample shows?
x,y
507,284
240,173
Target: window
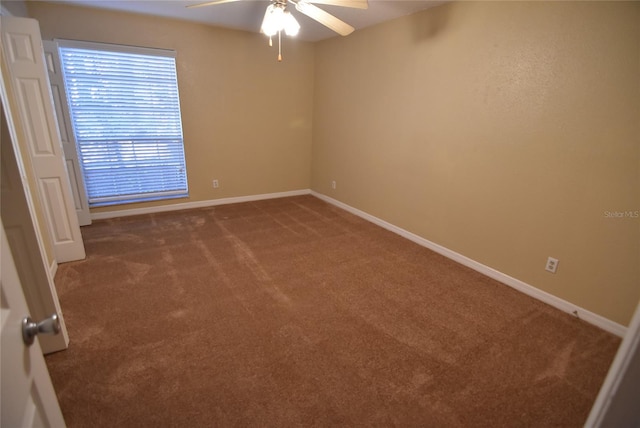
x,y
125,111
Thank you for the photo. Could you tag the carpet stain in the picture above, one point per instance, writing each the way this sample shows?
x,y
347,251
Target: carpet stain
x,y
222,276
293,333
382,319
559,363
123,238
171,272
246,257
420,379
177,314
137,270
87,334
287,227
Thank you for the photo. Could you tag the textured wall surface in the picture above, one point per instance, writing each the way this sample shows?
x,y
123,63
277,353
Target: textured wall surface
x,y
505,131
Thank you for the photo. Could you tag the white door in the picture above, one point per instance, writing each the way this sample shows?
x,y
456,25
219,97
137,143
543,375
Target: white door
x,y
39,144
28,397
25,238
52,61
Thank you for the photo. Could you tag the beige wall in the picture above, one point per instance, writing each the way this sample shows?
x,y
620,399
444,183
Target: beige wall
x,y
246,117
14,8
503,131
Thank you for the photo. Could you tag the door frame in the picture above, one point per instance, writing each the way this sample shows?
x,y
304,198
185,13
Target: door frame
x,y
616,404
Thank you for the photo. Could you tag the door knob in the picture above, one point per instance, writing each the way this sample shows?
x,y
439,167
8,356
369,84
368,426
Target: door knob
x,y
30,329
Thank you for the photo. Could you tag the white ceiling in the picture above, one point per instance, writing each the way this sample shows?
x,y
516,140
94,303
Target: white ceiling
x,y
247,15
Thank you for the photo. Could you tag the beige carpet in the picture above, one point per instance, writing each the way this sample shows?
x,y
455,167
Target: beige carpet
x,y
292,312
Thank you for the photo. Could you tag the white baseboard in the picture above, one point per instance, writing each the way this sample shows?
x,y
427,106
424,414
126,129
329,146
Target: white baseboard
x,y
563,305
198,204
53,268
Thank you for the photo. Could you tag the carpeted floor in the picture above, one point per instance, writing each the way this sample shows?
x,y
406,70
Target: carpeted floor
x,y
292,312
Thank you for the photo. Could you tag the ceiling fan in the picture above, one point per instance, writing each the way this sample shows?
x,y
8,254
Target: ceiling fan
x,y
277,18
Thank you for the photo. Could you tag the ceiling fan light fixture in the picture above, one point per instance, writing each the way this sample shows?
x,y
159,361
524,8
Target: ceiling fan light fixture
x,y
291,26
276,19
269,22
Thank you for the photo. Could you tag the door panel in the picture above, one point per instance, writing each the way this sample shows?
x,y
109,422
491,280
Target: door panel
x,y
52,190
56,79
28,84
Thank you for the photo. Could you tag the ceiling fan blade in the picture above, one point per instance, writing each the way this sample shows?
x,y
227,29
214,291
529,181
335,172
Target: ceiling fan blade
x,y
323,17
356,4
211,3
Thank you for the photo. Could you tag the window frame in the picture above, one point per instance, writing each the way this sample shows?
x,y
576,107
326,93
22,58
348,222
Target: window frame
x,y
134,50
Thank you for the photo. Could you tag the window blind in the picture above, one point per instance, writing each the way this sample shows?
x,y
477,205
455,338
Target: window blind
x,y
125,111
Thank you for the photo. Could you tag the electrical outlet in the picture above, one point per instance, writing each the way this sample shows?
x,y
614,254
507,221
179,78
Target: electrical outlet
x,y
216,184
333,185
552,265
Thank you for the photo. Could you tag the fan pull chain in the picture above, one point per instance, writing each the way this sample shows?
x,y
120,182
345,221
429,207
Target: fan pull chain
x,y
270,42
279,46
